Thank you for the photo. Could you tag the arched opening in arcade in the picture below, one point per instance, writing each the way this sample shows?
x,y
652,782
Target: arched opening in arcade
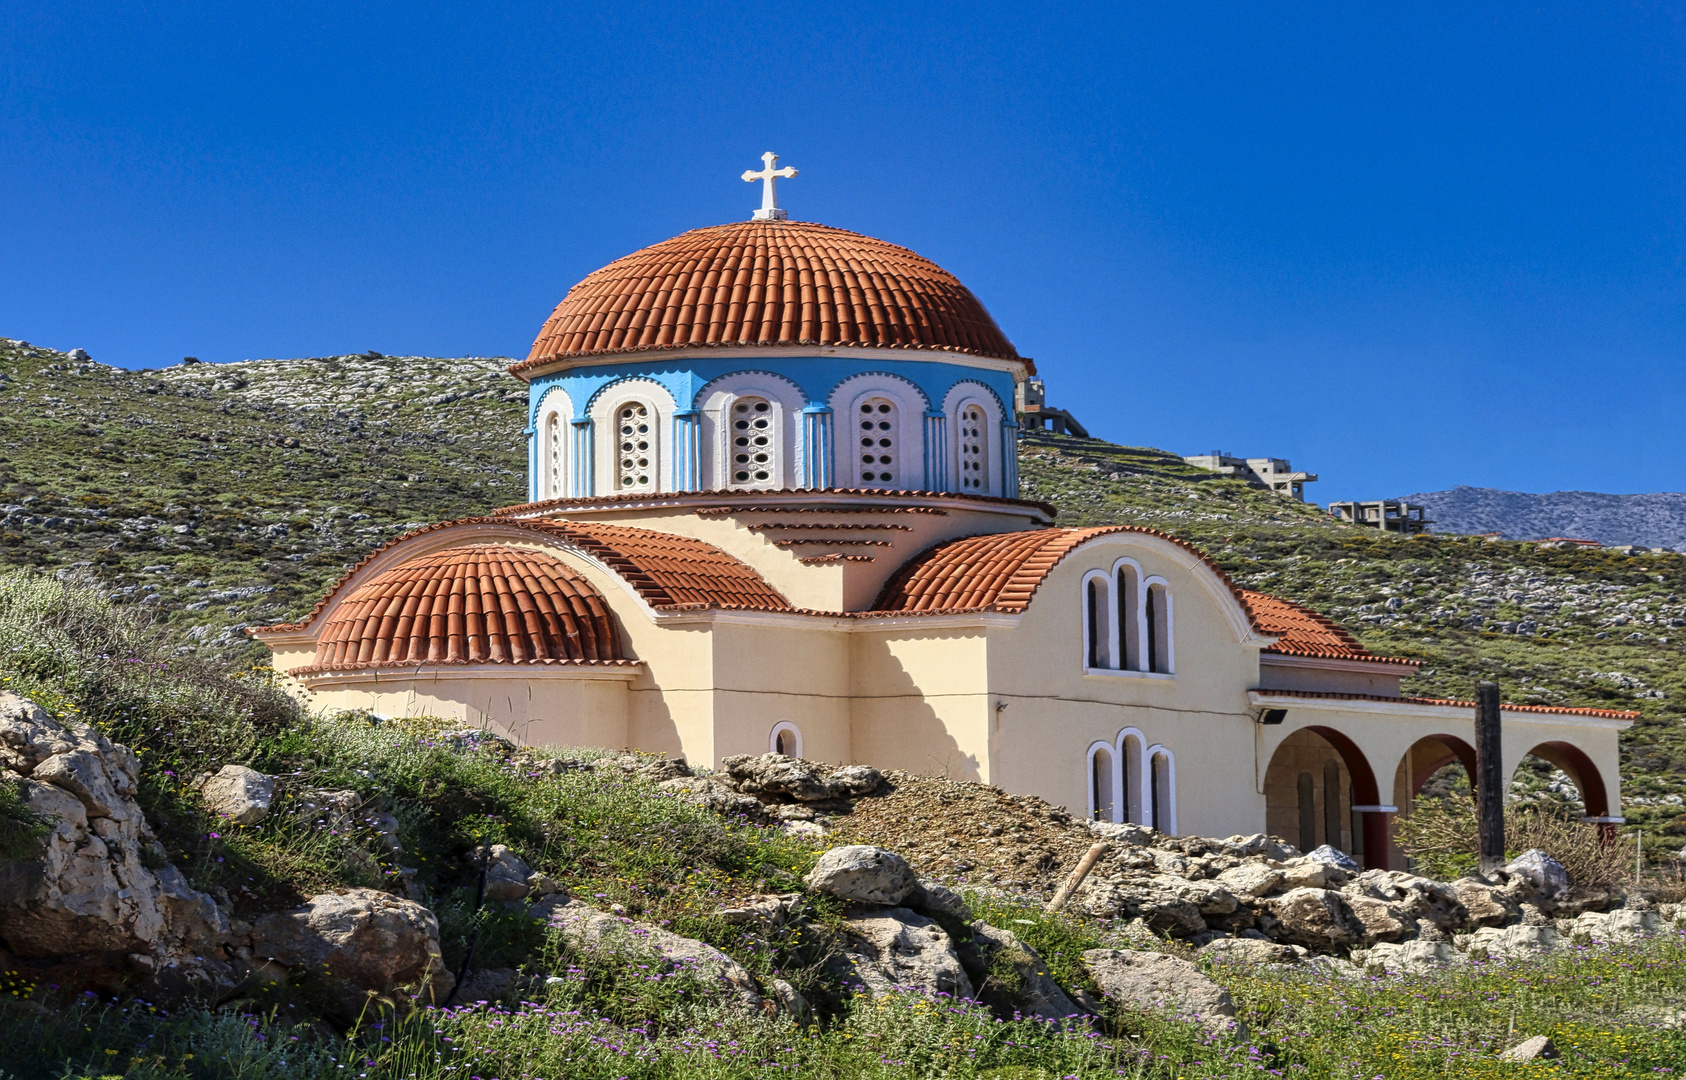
x,y
1559,777
1319,789
1435,767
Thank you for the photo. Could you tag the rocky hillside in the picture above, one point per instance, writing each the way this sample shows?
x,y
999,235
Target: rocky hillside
x,y
218,496
1655,520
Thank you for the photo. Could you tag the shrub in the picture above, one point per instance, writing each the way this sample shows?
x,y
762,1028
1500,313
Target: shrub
x,y
1442,837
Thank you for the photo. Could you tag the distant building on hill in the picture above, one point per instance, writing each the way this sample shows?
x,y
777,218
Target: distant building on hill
x,y
1393,515
1268,472
1035,412
1565,541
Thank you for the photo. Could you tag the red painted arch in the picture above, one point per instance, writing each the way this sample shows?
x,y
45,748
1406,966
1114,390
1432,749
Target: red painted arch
x,y
1574,761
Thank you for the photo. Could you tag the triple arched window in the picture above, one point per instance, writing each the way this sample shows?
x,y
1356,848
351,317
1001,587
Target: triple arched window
x,y
1130,781
1127,624
879,453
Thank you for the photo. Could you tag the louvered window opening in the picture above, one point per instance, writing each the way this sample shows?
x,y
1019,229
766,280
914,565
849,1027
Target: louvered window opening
x,y
636,469
878,443
754,450
553,436
974,447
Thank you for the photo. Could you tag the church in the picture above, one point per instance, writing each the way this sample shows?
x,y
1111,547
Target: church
x,y
774,507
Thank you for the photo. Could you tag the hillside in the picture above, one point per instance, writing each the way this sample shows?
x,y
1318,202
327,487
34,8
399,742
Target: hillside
x,y
218,496
1654,520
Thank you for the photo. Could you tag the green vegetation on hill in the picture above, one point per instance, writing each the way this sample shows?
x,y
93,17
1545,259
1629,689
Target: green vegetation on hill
x,y
218,496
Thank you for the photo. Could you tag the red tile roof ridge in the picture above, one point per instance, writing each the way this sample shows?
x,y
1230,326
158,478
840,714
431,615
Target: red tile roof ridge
x,y
321,669
1552,710
824,527
766,284
757,508
1300,631
660,586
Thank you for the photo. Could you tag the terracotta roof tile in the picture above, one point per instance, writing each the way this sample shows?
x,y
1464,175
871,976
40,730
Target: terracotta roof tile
x,y
754,283
483,603
1302,632
1553,710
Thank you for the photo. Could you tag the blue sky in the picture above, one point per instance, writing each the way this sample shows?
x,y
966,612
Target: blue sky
x,y
1407,247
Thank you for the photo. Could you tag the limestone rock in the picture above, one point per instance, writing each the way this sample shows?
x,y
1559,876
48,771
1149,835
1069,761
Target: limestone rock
x,y
869,875
1334,857
1623,926
1493,941
1309,873
604,935
853,781
1316,918
1486,905
87,888
713,794
1167,911
1254,951
775,775
1411,957
1123,832
1538,1048
326,808
239,794
506,874
1252,879
938,899
1544,874
1037,994
358,941
767,913
487,984
1150,980
805,830
898,948
1381,920
1410,897
1259,846
788,1002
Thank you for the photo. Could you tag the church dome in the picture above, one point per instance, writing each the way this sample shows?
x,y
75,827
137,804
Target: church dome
x,y
773,283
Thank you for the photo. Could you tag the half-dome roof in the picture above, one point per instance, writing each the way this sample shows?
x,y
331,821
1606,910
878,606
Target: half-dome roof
x,y
482,603
770,283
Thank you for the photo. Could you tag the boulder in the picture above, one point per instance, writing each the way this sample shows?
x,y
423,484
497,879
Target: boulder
x,y
357,942
788,1002
1251,879
1512,941
1411,897
487,985
1485,904
859,872
1544,874
853,781
899,949
1123,832
611,937
326,808
1316,918
239,794
1251,951
766,913
712,794
1538,1048
1259,846
87,889
774,775
1033,993
1154,981
1166,911
1308,873
506,874
1411,957
1334,857
938,899
1381,920
1621,927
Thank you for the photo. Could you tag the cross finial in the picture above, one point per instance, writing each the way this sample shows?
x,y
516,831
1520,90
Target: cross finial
x,y
769,194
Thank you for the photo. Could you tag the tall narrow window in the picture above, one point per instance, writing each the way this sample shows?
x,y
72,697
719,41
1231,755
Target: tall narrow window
x,y
1131,797
554,447
1097,651
878,443
1100,785
1331,803
1158,619
974,449
754,447
1162,783
635,429
1308,813
1129,618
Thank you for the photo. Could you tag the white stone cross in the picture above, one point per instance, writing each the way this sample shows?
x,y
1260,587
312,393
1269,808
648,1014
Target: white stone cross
x,y
769,194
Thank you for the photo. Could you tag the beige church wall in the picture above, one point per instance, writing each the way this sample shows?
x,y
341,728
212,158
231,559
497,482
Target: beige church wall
x,y
536,708
778,670
921,700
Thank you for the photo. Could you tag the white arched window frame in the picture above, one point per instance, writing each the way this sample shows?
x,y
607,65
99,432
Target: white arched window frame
x,y
1102,782
716,403
556,436
754,450
786,739
1132,626
907,433
1131,763
965,397
1100,622
1162,788
1159,624
607,421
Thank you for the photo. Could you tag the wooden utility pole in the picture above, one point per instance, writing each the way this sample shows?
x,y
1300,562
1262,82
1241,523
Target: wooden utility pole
x,y
1489,777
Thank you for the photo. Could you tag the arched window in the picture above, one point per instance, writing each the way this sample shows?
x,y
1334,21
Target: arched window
x,y
974,449
1157,615
635,433
555,441
1102,803
879,467
785,739
754,446
1128,581
1162,780
1097,622
1130,797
